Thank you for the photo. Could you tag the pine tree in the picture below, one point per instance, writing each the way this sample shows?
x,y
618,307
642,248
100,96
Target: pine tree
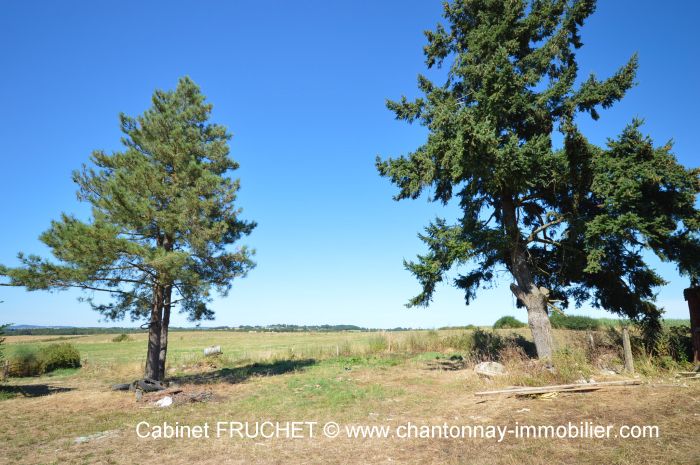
x,y
569,224
163,220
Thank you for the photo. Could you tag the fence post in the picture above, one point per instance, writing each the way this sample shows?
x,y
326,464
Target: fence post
x,y
692,295
627,348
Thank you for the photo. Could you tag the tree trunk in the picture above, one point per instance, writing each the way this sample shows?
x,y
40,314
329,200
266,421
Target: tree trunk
x,y
167,296
534,298
154,329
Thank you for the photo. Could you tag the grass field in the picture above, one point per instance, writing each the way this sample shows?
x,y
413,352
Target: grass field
x,y
349,378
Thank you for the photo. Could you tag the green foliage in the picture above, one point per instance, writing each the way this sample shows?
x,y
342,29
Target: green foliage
x,y
54,356
163,217
575,322
674,342
486,345
508,322
458,327
30,361
572,220
571,365
121,338
24,361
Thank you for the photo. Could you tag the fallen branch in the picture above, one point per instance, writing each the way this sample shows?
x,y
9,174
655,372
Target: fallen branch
x,y
559,388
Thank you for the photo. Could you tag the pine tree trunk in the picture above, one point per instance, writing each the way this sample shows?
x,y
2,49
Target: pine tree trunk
x,y
534,298
167,296
154,329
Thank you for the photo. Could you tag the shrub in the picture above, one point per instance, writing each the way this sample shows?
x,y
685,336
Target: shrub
x,y
121,338
673,342
487,345
570,365
508,322
56,356
680,343
575,322
24,362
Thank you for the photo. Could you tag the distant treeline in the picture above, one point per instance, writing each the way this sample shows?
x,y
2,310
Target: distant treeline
x,y
278,328
558,321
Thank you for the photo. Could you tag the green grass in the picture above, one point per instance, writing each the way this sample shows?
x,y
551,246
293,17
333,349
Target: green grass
x,y
617,322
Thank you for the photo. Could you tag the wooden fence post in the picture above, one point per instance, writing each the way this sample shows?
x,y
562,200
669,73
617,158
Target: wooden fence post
x,y
627,348
692,295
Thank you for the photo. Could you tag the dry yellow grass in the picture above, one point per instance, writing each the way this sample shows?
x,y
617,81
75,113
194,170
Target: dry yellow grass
x,y
347,390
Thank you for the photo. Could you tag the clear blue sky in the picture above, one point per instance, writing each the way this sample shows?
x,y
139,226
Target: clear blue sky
x,y
302,87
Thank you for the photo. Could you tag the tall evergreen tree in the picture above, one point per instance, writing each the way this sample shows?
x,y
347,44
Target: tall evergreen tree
x,y
569,223
163,222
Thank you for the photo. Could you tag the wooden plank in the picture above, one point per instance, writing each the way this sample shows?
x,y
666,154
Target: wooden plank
x,y
559,388
582,388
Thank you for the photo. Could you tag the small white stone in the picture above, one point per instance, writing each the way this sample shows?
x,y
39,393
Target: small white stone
x,y
165,402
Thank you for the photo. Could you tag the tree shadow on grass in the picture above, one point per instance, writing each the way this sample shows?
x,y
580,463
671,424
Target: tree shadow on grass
x,y
30,390
240,374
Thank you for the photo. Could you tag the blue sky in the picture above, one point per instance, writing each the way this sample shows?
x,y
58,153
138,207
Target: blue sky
x,y
302,87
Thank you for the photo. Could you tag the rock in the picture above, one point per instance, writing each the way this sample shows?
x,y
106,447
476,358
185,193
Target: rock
x,y
490,369
607,372
121,387
212,350
166,401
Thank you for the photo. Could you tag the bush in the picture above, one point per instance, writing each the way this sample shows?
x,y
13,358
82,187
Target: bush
x,y
487,345
570,365
575,322
673,342
24,362
508,322
56,356
121,338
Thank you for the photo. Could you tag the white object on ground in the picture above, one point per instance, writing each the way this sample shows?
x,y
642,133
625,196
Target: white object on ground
x,y
165,402
212,350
